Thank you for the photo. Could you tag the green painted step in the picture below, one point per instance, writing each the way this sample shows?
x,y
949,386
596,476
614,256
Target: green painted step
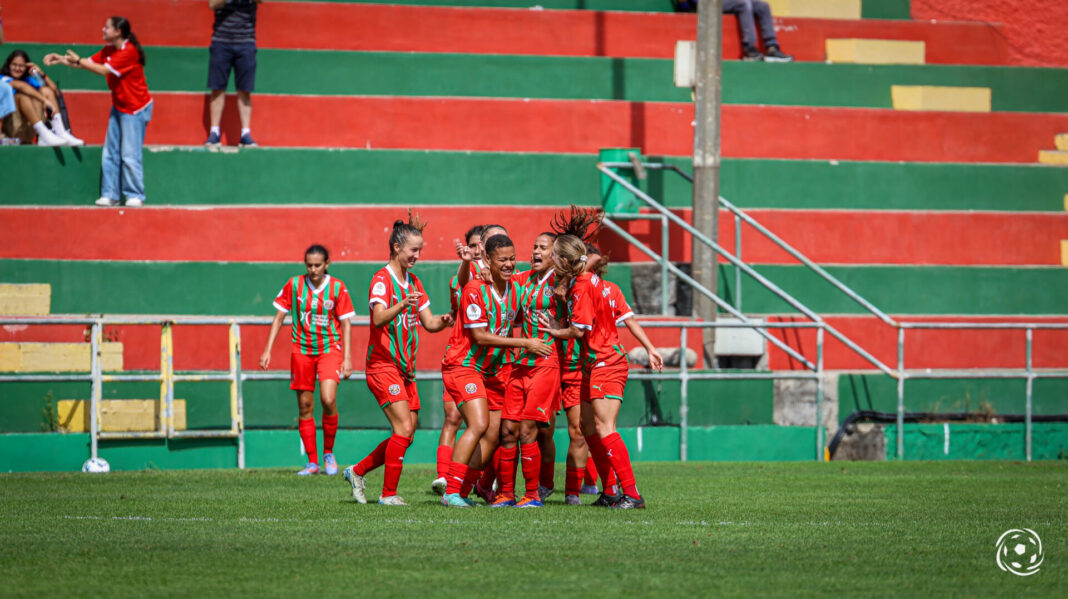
x,y
885,9
245,288
292,176
646,80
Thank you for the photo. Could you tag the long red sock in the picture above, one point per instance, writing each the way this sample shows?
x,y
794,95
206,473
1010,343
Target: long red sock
x,y
455,478
329,432
573,481
395,448
600,457
611,481
306,427
489,470
531,458
548,470
589,475
620,457
376,458
444,459
506,473
470,479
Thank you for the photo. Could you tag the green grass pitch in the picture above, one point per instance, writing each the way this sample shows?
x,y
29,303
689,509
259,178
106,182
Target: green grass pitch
x,y
711,530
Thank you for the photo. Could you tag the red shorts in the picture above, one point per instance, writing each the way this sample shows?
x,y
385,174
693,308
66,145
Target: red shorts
x,y
302,369
607,382
388,386
571,389
496,386
532,393
462,384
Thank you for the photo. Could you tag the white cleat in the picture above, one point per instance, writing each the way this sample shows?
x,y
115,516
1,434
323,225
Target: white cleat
x,y
357,483
439,485
391,500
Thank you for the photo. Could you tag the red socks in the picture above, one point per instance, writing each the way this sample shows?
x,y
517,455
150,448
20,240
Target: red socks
x,y
329,432
620,458
444,459
489,470
600,456
373,460
455,478
573,482
531,458
506,473
470,479
396,445
306,427
548,467
590,473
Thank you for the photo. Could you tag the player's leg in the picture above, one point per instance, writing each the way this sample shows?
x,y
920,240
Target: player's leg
x,y
530,458
484,470
606,412
402,422
577,454
328,369
547,446
446,441
302,381
508,452
476,416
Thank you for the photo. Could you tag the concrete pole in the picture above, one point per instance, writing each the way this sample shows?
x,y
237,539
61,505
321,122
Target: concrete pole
x,y
706,158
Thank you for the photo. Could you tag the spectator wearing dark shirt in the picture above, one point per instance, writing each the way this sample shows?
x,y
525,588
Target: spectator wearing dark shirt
x,y
233,47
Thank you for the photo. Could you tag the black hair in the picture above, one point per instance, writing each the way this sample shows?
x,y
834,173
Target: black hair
x,y
497,242
318,249
123,26
475,230
403,230
488,227
549,234
6,69
581,222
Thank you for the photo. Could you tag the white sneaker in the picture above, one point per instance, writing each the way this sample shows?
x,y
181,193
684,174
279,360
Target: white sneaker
x,y
358,484
72,141
439,485
106,202
391,500
46,138
134,202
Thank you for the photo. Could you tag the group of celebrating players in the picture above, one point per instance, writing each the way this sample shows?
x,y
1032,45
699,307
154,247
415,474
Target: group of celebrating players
x,y
524,346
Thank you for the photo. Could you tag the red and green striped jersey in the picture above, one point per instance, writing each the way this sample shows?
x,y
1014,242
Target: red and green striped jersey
x,y
481,306
594,310
396,343
316,312
475,268
536,296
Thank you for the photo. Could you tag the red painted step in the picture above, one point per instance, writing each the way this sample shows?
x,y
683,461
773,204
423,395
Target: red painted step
x,y
236,233
584,126
338,26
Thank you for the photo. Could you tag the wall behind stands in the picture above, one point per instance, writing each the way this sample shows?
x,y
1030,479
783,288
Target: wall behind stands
x,y
1033,29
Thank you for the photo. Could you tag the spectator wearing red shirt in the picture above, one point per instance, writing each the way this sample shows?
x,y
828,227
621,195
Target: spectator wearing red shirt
x,y
122,62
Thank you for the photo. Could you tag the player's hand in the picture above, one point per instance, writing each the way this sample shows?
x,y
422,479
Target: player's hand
x,y
486,275
265,360
463,251
72,58
412,301
656,360
447,320
346,368
539,347
545,321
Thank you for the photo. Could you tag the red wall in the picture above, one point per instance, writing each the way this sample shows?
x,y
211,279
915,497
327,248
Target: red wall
x,y
1034,29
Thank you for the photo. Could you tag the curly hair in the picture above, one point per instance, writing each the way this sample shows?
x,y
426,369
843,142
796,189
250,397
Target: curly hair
x,y
578,222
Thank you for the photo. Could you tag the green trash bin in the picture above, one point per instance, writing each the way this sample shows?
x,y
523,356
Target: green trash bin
x,y
614,197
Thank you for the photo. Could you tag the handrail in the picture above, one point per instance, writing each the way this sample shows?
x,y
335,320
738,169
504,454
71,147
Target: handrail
x,y
746,268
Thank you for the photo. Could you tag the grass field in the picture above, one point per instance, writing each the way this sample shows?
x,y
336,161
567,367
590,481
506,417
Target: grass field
x,y
789,530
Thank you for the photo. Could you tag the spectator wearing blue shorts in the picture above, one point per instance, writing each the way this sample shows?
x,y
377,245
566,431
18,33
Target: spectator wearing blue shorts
x,y
233,48
37,98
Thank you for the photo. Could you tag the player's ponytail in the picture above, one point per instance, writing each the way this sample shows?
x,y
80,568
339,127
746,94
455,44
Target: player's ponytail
x,y
123,26
402,231
579,222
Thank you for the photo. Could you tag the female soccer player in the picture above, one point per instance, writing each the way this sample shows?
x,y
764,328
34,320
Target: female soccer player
x,y
476,351
398,306
534,383
470,254
592,319
320,305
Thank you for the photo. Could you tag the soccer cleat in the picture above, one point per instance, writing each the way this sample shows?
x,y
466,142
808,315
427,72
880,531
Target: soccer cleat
x,y
470,502
589,490
391,500
607,500
106,202
544,492
774,54
439,485
528,502
454,500
572,500
487,495
357,483
134,202
330,464
214,140
311,468
629,503
247,141
503,501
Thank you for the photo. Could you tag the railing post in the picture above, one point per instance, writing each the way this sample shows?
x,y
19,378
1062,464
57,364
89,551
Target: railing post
x,y
665,250
1030,386
97,384
166,385
684,407
819,394
901,393
237,408
737,269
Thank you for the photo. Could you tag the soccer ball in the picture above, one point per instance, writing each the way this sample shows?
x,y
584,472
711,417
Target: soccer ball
x,y
96,465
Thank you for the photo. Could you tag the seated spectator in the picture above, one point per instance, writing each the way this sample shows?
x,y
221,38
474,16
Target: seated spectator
x,y
36,97
748,12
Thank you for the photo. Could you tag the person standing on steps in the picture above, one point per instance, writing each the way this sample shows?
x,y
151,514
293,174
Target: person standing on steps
x,y
233,47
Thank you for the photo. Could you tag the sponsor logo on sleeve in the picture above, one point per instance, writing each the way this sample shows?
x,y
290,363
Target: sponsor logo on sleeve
x,y
379,288
473,312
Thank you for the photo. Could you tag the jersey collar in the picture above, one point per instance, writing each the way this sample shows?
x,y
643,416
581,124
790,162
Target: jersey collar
x,y
546,277
407,278
326,281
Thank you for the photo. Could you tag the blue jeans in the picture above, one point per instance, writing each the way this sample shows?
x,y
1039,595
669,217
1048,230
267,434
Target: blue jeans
x,y
122,154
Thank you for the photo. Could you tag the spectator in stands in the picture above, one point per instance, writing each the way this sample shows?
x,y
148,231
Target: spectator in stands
x,y
233,47
36,103
122,63
746,10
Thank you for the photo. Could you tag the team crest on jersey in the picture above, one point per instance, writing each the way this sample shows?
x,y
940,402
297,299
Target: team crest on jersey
x,y
394,389
470,388
511,315
379,289
547,292
328,305
473,312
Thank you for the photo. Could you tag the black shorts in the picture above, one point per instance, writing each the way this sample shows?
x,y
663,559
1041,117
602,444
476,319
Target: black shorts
x,y
239,57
